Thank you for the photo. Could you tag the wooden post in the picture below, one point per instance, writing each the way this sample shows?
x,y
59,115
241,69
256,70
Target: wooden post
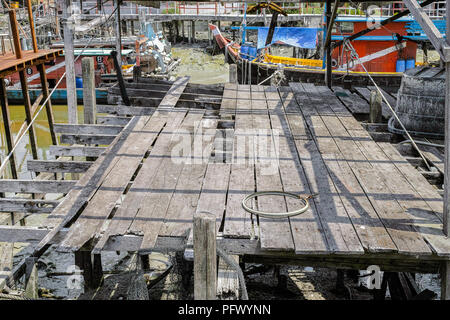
x,y
209,35
48,105
23,82
375,114
137,71
92,273
118,33
446,216
445,278
31,278
70,65
193,31
31,21
233,73
7,123
89,102
328,49
182,30
205,258
189,33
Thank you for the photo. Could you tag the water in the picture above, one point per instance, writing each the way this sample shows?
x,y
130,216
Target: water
x,y
199,65
23,151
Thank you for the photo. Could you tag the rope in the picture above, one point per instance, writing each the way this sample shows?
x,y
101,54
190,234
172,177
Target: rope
x,y
355,55
276,215
7,296
237,268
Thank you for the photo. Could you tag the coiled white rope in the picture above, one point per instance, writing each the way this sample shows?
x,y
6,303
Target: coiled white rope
x,y
276,215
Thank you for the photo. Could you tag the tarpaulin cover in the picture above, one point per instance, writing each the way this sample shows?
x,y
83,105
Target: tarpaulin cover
x,y
296,37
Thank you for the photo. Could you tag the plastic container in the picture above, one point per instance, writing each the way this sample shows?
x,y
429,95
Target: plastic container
x,y
410,64
252,52
79,82
244,52
400,66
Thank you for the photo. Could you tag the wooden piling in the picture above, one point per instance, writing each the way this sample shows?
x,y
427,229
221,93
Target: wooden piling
x,y
48,105
205,259
89,102
233,73
445,280
92,272
375,113
70,66
193,31
182,30
7,125
31,279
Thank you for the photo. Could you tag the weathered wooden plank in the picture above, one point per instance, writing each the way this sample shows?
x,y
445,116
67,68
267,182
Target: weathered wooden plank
x,y
214,191
238,222
76,151
352,101
205,256
362,216
173,95
100,206
121,110
394,217
228,105
87,128
85,187
36,186
183,204
143,183
87,139
366,94
6,261
153,211
58,166
113,120
306,228
27,205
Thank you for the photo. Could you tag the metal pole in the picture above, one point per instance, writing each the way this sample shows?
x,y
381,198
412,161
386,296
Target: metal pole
x,y
70,65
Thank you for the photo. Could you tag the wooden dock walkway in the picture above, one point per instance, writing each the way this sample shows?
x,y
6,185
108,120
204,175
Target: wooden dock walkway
x,y
370,206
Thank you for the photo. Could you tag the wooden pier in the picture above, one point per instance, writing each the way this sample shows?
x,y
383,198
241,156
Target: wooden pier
x,y
167,163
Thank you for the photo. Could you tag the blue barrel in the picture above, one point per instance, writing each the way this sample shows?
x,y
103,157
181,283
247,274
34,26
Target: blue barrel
x,y
410,64
400,66
252,52
79,82
244,52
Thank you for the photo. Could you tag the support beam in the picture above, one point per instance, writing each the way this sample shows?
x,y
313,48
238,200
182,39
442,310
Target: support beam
x,y
89,102
31,279
118,33
205,258
70,64
433,34
48,105
446,213
7,125
31,22
328,48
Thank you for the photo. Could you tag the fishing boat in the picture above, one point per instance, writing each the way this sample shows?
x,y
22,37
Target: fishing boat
x,y
386,53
